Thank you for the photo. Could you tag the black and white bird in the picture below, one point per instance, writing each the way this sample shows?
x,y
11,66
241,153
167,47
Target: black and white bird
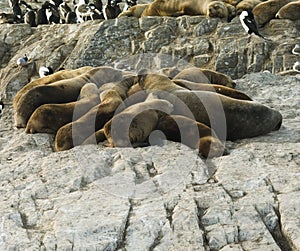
x,y
296,49
45,71
1,108
41,17
248,22
296,66
30,14
17,10
22,61
112,9
128,4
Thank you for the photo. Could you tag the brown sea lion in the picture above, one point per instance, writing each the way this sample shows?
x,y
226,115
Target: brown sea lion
x,y
198,75
191,133
229,118
95,138
63,91
60,75
266,11
209,8
221,89
73,134
135,123
49,118
289,11
232,2
246,5
134,11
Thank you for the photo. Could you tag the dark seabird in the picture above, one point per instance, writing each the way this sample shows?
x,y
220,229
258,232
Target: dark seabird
x,y
111,9
45,71
129,4
41,17
30,15
1,108
17,11
248,22
64,9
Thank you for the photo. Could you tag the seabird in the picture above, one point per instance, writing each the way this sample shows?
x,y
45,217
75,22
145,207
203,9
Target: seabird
x,y
111,9
22,61
1,108
45,71
296,66
248,22
296,49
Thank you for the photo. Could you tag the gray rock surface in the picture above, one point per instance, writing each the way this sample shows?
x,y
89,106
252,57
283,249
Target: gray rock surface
x,y
208,43
153,198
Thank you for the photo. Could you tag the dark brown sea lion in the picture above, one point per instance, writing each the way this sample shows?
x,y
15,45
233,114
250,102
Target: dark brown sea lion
x,y
135,123
48,118
203,76
224,90
229,118
75,133
266,11
191,133
60,75
290,11
63,91
209,8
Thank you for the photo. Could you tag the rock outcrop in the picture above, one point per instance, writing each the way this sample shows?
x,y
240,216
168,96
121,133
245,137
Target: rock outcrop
x,y
153,198
208,43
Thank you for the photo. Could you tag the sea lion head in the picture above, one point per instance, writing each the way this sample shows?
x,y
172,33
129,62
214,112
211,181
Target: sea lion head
x,y
217,9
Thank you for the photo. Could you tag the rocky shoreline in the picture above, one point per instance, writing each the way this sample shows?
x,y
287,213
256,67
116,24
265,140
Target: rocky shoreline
x,y
153,198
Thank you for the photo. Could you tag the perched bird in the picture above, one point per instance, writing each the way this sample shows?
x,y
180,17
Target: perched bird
x,y
30,15
22,61
248,22
296,66
64,9
29,18
128,4
111,9
52,14
41,17
1,108
17,11
296,49
45,71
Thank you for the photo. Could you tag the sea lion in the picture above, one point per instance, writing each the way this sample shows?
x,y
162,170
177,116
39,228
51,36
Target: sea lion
x,y
48,118
63,91
229,118
60,75
95,138
198,75
170,72
289,11
232,2
246,5
266,11
224,90
135,123
78,131
191,133
134,11
209,8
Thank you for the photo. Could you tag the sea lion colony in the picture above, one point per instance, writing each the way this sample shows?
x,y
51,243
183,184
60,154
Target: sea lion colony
x,y
63,11
96,104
